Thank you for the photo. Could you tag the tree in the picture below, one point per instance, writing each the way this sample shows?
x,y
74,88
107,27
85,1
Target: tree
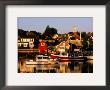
x,y
31,34
22,33
49,32
85,39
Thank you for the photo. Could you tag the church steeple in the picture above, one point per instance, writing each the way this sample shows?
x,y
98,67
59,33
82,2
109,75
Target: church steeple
x,y
75,29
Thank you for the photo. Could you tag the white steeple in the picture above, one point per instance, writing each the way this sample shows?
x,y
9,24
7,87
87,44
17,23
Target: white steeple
x,y
75,28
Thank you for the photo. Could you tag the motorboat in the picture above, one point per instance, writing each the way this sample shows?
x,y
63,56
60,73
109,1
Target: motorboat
x,y
59,57
42,59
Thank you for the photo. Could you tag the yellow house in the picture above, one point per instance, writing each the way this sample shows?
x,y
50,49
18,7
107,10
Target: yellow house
x,y
62,46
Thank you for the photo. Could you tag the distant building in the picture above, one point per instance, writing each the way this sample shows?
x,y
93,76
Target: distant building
x,y
75,37
76,42
55,36
25,42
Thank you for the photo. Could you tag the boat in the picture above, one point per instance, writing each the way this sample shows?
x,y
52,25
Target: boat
x,y
31,62
41,59
59,57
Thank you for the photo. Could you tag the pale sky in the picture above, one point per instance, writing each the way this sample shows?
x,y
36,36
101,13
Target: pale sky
x,y
62,24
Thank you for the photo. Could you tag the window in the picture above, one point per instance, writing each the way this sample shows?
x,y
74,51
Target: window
x,y
19,44
25,44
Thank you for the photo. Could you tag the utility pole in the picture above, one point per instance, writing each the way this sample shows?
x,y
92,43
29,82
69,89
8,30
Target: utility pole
x,y
80,36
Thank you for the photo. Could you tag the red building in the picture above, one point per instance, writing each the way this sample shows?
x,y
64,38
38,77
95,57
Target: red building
x,y
42,47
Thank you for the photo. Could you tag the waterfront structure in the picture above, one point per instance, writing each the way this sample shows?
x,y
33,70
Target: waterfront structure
x,y
25,42
62,47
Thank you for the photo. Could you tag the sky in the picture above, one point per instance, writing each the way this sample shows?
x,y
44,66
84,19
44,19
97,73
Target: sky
x,y
62,24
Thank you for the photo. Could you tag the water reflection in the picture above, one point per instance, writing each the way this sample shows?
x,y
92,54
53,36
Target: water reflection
x,y
61,67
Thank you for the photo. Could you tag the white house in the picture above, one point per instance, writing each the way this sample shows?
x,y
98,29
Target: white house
x,y
26,42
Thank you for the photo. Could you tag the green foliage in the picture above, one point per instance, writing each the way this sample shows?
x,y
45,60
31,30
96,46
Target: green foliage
x,y
87,39
50,32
